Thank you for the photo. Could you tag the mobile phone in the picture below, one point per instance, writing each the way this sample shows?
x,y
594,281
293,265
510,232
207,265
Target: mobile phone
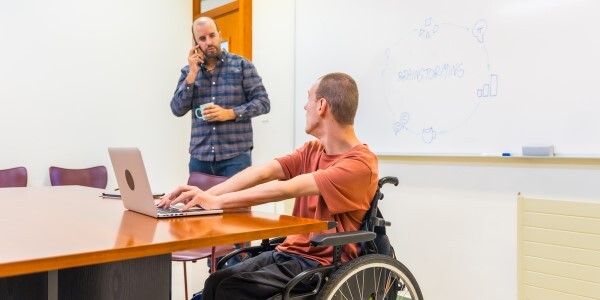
x,y
196,44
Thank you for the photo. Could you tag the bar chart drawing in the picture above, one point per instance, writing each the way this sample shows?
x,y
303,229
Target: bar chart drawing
x,y
489,89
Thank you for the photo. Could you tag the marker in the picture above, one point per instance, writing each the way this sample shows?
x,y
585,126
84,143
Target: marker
x,y
496,154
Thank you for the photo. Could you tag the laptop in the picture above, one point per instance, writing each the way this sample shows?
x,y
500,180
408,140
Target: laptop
x,y
135,188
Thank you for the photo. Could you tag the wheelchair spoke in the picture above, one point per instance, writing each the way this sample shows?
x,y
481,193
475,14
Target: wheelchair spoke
x,y
360,293
377,282
363,283
389,284
349,290
374,278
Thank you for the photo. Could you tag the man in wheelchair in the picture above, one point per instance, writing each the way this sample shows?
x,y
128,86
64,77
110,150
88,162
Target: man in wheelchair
x,y
333,178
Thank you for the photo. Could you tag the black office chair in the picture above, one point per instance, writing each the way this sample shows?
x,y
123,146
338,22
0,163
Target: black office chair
x,y
380,274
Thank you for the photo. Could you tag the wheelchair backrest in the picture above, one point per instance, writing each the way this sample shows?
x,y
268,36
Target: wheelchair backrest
x,y
374,222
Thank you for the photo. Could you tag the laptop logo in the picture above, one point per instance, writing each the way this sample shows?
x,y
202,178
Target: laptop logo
x,y
129,180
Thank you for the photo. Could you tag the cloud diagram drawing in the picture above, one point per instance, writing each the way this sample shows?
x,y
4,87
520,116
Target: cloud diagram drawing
x,y
435,77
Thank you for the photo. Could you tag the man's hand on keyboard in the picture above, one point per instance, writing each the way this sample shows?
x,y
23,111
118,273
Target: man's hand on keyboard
x,y
169,199
190,196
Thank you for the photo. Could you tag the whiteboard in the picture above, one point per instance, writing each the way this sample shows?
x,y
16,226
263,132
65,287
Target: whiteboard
x,y
458,77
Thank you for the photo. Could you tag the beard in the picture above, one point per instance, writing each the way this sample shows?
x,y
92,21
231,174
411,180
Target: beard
x,y
212,54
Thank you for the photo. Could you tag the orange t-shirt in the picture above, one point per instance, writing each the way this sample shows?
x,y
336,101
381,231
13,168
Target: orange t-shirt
x,y
347,183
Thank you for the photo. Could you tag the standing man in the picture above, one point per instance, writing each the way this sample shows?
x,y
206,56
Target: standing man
x,y
333,178
223,91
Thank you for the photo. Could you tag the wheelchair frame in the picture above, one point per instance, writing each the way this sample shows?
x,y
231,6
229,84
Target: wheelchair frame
x,y
373,228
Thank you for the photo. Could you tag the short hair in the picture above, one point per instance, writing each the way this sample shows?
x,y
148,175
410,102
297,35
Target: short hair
x,y
204,21
341,93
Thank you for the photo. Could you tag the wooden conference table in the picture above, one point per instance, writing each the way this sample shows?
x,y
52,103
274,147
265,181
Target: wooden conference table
x,y
68,243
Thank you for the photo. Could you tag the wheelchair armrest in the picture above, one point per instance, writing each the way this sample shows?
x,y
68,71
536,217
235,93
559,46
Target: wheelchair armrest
x,y
265,245
252,251
342,238
277,240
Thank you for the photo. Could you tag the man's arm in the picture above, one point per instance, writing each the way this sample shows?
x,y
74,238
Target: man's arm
x,y
245,179
257,98
302,185
249,177
181,102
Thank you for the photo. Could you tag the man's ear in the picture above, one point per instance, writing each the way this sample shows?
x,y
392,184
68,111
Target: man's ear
x,y
323,106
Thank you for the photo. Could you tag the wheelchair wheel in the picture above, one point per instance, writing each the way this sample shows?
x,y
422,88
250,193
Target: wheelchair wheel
x,y
372,277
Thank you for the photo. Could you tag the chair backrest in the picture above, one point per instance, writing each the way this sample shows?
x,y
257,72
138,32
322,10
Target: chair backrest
x,y
92,177
205,181
15,177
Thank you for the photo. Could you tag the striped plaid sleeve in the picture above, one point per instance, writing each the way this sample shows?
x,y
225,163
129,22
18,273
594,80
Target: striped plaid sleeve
x,y
258,100
181,102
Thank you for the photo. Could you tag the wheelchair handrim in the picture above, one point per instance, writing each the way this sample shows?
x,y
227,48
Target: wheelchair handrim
x,y
405,279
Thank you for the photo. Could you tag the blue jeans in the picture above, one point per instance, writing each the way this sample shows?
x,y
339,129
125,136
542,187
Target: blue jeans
x,y
228,167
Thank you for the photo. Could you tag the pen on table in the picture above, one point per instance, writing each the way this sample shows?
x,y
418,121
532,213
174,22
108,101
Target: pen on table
x,y
112,196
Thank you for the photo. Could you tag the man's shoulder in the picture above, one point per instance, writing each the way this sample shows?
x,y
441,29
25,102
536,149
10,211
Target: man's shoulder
x,y
364,149
234,58
361,150
364,154
312,146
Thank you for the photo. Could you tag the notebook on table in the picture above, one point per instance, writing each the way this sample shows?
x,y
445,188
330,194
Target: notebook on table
x,y
135,188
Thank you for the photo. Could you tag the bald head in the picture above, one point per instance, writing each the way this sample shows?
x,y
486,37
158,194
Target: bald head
x,y
201,21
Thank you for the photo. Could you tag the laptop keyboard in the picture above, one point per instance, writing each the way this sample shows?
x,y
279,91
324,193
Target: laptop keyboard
x,y
169,210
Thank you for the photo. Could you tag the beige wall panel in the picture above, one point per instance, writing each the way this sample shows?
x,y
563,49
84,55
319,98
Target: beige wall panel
x,y
535,293
563,238
566,285
564,269
562,253
558,249
581,209
562,222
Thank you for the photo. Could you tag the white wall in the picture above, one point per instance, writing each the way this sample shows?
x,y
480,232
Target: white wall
x,y
78,77
273,55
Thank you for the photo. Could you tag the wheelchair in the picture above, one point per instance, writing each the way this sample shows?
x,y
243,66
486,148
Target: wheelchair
x,y
375,274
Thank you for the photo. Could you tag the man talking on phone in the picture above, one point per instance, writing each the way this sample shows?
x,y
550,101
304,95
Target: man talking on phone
x,y
223,91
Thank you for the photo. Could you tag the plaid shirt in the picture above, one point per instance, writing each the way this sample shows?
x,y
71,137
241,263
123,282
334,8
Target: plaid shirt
x,y
234,84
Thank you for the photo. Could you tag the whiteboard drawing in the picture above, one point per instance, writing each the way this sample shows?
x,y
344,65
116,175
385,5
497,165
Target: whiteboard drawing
x,y
428,29
432,70
479,30
428,135
399,126
489,89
